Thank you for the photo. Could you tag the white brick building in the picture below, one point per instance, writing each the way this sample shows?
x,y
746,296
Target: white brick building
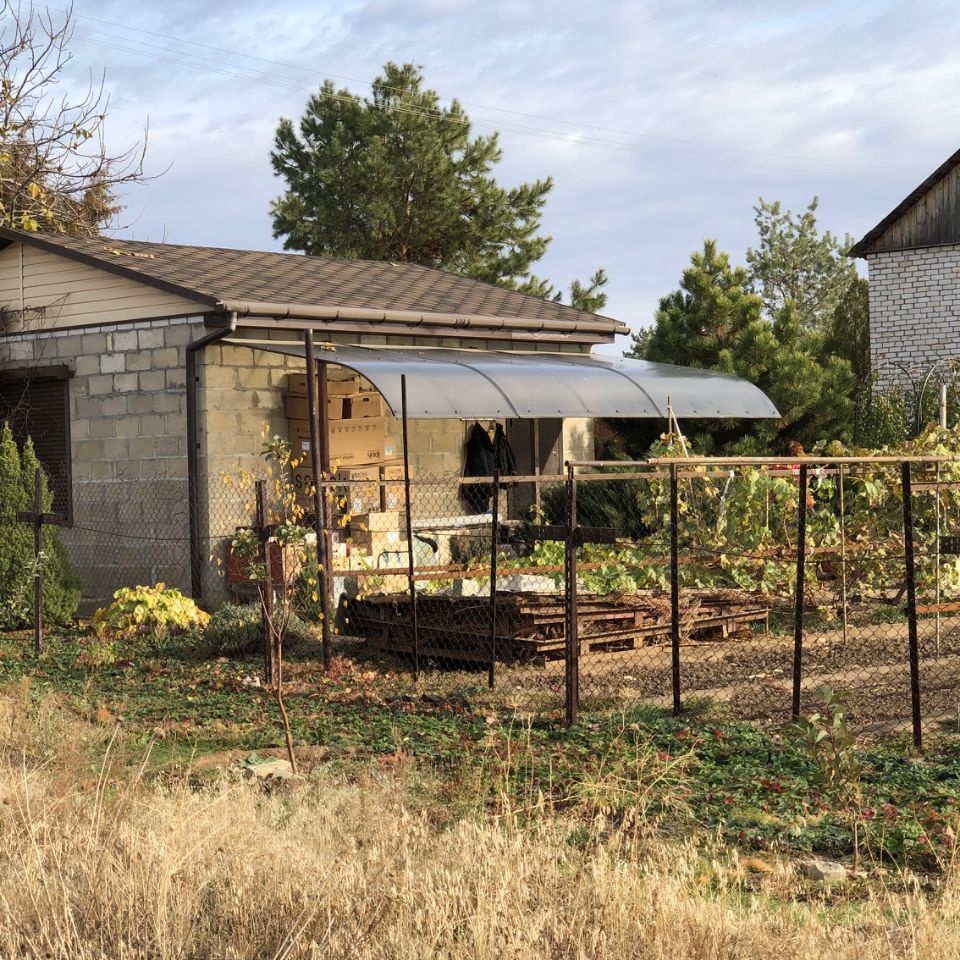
x,y
913,255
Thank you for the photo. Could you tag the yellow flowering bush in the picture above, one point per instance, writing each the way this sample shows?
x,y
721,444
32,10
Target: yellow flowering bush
x,y
158,610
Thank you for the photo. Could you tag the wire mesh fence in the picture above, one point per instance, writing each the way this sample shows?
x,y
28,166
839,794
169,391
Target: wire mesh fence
x,y
751,586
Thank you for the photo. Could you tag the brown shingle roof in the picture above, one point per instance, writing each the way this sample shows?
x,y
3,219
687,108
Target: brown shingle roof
x,y
252,281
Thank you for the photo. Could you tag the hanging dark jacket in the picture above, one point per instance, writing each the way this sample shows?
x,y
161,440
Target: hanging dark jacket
x,y
479,461
503,453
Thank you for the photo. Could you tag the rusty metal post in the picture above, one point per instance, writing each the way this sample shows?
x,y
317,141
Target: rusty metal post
x,y
911,576
572,649
408,510
263,536
319,464
323,405
38,561
801,573
674,588
494,543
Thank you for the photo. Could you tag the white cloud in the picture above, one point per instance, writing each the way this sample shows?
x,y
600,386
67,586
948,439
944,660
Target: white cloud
x,y
717,104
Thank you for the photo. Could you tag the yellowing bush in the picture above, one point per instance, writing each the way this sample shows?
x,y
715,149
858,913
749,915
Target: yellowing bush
x,y
158,610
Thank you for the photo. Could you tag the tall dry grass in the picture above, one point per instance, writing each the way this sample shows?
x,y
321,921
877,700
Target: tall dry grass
x,y
97,863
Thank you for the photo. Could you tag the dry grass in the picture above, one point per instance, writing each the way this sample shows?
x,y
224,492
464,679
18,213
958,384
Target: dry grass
x,y
96,863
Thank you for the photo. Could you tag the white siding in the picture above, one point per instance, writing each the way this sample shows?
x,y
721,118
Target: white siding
x,y
59,292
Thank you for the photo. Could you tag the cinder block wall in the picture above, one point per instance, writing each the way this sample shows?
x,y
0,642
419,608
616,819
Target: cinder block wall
x,y
127,426
914,311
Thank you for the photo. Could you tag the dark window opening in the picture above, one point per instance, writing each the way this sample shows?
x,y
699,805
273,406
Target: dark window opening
x,y
36,404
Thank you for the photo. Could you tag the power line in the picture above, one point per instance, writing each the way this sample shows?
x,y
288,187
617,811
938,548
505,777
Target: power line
x,y
214,66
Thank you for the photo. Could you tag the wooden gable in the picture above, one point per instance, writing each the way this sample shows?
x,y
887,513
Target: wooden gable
x,y
928,217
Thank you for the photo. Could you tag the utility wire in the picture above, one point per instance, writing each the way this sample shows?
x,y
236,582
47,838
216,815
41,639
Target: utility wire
x,y
574,137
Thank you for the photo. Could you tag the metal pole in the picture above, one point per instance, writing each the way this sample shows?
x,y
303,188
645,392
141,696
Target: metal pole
x,y
38,564
318,417
495,540
535,428
843,559
911,604
937,559
572,671
409,517
267,602
327,604
798,610
674,588
943,405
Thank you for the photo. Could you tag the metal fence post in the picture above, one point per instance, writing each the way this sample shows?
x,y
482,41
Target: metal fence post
x,y
674,588
572,664
263,537
494,542
909,562
37,561
408,510
801,571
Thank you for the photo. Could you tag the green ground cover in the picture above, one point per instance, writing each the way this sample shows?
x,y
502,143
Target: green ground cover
x,y
758,788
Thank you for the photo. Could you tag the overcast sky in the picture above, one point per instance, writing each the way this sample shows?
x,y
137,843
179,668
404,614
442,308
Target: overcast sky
x,y
660,122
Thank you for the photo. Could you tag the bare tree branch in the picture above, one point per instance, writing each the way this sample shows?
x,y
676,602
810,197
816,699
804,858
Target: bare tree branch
x,y
56,173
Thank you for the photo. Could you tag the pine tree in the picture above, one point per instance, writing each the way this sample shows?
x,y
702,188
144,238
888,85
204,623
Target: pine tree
x,y
714,321
796,264
398,177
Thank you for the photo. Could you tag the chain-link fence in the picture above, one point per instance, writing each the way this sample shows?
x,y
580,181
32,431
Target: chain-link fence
x,y
670,582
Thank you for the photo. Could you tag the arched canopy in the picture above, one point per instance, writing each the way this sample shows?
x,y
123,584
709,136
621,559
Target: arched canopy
x,y
466,384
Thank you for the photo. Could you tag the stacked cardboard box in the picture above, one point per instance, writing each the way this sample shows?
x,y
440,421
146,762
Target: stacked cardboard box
x,y
364,454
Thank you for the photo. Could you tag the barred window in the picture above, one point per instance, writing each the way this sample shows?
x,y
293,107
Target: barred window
x,y
36,404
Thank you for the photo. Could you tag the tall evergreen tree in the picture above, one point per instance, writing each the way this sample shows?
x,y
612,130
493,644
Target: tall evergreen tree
x,y
399,177
714,321
797,264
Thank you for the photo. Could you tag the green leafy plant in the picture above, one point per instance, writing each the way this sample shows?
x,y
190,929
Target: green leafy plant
x,y
237,630
158,611
832,746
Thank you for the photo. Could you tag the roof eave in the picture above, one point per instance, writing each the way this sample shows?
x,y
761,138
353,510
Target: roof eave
x,y
414,318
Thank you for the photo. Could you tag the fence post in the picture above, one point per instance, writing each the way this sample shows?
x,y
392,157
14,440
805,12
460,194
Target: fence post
x,y
263,537
911,576
494,543
408,510
801,572
37,561
572,664
674,588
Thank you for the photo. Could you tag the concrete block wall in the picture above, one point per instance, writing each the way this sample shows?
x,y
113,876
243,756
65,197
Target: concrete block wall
x,y
128,446
914,311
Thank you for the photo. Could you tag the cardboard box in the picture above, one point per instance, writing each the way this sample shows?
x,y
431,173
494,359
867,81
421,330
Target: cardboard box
x,y
336,387
296,407
377,543
361,490
393,494
364,404
352,442
379,521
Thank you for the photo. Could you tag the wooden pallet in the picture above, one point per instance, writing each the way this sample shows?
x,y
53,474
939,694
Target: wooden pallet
x,y
531,626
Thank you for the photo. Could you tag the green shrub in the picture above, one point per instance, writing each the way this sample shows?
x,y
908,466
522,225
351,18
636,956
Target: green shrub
x,y
158,611
61,588
236,630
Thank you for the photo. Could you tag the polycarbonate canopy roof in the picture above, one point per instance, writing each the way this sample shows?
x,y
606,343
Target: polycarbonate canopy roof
x,y
482,384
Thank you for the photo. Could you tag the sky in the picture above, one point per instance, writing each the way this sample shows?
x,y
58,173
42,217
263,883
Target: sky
x,y
660,122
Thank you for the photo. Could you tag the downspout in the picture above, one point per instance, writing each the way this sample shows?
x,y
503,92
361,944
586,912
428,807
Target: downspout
x,y
193,450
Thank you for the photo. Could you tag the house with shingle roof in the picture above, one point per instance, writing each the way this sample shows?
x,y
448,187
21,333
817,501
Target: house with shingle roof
x,y
95,354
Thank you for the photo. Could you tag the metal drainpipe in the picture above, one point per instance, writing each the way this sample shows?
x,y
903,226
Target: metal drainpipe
x,y
193,460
